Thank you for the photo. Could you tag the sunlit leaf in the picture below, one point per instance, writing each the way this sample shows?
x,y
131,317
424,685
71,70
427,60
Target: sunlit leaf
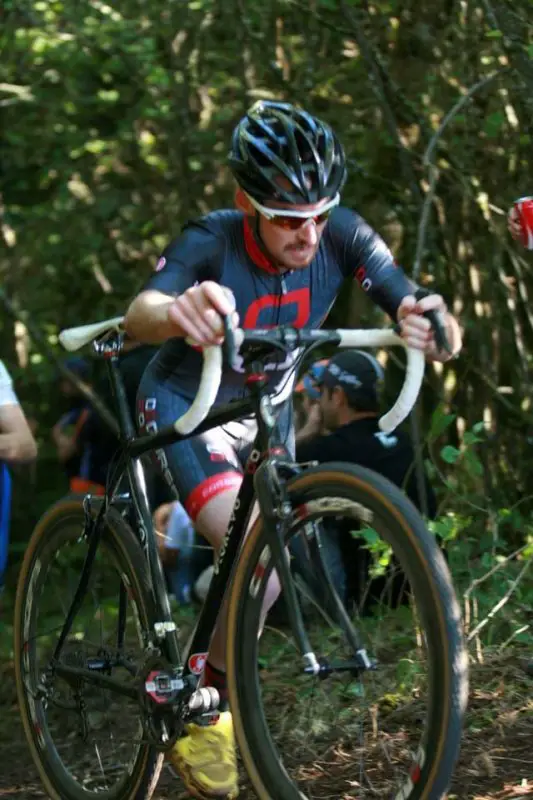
x,y
450,454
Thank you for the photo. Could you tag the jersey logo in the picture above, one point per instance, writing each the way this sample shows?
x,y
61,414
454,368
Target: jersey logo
x,y
298,297
160,264
361,276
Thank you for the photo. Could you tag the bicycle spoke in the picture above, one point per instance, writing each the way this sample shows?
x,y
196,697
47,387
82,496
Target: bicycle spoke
x,y
79,714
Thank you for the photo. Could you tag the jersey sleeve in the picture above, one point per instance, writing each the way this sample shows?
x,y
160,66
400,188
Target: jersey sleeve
x,y
193,257
7,393
364,255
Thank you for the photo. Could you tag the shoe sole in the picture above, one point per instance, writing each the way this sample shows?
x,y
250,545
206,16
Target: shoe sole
x,y
183,771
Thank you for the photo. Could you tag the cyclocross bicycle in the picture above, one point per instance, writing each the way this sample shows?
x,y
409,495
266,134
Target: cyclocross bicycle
x,y
360,700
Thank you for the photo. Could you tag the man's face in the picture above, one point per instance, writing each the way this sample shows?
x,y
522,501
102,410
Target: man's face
x,y
292,249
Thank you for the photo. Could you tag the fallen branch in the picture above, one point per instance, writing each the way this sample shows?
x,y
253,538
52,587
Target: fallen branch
x,y
499,605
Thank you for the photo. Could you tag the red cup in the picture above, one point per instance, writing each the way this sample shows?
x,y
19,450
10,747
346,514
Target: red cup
x,y
521,221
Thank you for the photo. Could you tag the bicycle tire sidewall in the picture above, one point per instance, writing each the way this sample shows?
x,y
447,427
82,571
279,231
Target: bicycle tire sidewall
x,y
431,584
122,541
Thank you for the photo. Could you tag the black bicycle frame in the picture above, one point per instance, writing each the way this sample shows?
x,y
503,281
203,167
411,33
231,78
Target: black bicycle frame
x,y
131,449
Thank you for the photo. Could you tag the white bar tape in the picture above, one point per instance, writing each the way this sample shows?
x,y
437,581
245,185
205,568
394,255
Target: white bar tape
x,y
373,337
414,372
207,391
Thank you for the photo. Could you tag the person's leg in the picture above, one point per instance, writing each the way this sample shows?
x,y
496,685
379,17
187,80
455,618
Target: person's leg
x,y
206,474
213,521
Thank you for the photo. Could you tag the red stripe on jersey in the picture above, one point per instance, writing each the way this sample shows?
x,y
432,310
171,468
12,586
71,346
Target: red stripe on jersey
x,y
259,258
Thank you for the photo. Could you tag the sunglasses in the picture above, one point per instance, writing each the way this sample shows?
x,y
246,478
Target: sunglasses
x,y
293,220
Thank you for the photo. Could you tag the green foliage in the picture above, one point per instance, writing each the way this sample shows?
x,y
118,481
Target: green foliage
x,y
116,120
440,421
381,552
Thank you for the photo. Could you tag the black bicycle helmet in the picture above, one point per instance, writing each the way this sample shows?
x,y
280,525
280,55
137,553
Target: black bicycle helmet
x,y
278,140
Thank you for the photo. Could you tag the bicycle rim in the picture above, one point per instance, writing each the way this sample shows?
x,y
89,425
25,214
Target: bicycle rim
x,y
87,741
390,733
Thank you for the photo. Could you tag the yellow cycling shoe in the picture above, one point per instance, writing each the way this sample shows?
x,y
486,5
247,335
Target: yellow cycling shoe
x,y
206,761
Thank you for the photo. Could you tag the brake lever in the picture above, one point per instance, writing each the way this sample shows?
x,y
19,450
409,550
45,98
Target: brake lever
x,y
441,339
229,346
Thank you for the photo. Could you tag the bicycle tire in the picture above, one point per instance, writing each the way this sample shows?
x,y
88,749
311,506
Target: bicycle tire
x,y
121,542
430,582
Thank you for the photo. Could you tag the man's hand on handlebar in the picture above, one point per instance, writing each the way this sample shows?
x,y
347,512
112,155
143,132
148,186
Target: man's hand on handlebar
x,y
419,321
199,311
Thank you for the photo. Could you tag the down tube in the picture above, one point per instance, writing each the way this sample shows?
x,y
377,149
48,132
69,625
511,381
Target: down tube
x,y
228,556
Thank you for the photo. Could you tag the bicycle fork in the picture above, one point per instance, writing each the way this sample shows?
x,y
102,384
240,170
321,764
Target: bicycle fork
x,y
277,513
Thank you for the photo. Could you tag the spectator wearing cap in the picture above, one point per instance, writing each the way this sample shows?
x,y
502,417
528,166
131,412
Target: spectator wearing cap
x,y
307,394
349,406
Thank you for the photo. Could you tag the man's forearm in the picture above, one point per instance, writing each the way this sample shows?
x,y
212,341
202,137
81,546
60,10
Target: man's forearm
x,y
147,318
17,449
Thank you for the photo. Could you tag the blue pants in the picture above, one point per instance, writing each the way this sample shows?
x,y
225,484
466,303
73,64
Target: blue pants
x,y
5,513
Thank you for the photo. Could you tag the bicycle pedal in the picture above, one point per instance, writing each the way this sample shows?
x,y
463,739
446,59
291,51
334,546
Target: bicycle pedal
x,y
162,687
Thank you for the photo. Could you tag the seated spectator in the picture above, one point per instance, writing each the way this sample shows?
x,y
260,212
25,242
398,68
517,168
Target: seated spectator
x,y
349,407
17,445
83,456
84,442
185,555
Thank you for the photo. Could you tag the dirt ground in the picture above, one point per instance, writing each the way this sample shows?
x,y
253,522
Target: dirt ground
x,y
496,761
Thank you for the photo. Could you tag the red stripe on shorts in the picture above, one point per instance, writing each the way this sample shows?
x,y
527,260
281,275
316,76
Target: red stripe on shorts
x,y
211,487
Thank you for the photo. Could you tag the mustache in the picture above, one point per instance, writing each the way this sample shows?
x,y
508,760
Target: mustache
x,y
301,246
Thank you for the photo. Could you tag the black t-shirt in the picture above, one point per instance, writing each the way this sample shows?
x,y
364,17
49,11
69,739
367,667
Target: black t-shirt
x,y
362,442
220,247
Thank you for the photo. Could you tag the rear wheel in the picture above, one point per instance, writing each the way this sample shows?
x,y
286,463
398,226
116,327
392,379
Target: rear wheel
x,y
390,732
86,740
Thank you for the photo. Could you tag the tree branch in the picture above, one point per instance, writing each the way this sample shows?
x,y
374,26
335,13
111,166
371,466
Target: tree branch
x,y
434,172
379,88
499,605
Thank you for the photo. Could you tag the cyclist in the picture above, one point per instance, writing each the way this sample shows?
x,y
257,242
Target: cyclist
x,y
279,259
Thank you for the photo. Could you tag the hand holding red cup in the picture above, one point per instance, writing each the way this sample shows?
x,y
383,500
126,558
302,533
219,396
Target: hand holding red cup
x,y
520,221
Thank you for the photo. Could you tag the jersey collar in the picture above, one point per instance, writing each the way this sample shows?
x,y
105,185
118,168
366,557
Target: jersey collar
x,y
255,252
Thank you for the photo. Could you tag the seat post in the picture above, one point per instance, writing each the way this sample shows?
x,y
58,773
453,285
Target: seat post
x,y
109,348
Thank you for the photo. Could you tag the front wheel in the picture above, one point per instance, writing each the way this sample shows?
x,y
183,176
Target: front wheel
x,y
390,732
